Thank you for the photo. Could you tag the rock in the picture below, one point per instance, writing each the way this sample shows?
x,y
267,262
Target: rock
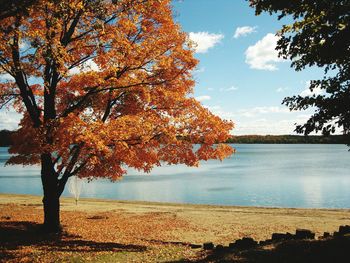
x,y
219,248
232,245
304,234
208,246
262,243
245,243
336,234
326,234
282,236
278,236
289,236
265,242
194,246
344,230
268,241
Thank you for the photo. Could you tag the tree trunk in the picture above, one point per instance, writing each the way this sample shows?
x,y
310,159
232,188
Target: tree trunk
x,y
51,198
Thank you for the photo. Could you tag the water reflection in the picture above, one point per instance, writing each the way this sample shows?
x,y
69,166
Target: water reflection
x,y
257,175
312,187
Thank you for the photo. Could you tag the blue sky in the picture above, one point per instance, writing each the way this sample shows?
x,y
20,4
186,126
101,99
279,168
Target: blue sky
x,y
239,76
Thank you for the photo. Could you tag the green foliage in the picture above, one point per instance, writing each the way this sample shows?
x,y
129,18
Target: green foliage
x,y
288,139
319,36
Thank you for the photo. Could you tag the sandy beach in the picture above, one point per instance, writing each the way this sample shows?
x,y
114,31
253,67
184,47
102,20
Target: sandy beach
x,y
220,224
161,225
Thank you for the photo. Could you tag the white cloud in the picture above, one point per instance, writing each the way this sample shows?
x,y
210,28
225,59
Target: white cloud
x,y
6,77
244,31
281,89
263,120
203,98
87,66
263,55
198,70
214,108
232,88
9,120
23,45
267,126
253,112
307,92
205,40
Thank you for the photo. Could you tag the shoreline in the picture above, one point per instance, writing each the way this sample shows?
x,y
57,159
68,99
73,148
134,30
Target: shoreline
x,y
66,199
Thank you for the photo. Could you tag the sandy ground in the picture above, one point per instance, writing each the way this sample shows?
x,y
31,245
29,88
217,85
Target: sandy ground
x,y
192,223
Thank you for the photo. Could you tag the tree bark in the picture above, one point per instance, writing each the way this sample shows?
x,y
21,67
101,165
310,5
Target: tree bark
x,y
51,198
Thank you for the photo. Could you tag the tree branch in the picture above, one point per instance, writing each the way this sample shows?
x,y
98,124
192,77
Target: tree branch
x,y
20,78
67,173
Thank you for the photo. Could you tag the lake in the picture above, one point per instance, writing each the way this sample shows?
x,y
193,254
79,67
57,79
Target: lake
x,y
271,175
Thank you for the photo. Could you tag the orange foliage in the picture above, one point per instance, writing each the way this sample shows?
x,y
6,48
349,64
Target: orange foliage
x,y
105,85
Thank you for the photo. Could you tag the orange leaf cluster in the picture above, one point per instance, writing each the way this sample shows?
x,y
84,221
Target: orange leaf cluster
x,y
104,85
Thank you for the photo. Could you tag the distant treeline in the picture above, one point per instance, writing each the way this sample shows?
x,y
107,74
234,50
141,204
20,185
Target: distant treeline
x,y
6,140
290,139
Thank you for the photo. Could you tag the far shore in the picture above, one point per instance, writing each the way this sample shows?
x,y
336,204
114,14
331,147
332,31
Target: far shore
x,y
219,224
6,140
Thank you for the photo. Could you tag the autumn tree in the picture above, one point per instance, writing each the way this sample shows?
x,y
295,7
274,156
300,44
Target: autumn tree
x,y
102,85
319,35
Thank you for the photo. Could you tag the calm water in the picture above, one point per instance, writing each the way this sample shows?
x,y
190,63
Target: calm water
x,y
257,175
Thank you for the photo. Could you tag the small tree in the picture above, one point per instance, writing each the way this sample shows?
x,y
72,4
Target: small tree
x,y
319,35
74,187
102,85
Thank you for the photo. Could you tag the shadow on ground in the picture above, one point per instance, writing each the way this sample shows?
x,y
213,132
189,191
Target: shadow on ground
x,y
332,250
18,234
